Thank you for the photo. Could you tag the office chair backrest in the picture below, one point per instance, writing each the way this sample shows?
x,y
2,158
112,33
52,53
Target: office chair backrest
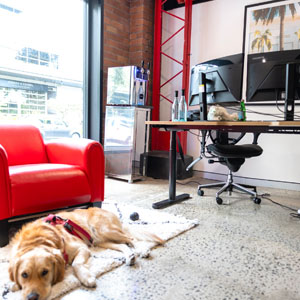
x,y
225,138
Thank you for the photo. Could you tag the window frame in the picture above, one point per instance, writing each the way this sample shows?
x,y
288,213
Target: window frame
x,y
93,71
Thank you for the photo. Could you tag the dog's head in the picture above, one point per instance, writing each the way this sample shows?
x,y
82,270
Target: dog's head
x,y
36,270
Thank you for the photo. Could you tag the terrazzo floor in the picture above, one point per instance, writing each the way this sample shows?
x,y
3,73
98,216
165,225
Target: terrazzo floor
x,y
240,250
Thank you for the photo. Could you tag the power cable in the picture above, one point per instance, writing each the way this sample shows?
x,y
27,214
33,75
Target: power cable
x,y
295,212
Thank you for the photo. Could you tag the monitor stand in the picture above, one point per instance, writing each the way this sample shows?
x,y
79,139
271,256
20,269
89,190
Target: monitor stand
x,y
202,97
290,80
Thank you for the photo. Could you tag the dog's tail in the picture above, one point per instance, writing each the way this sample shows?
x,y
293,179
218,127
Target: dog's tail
x,y
144,235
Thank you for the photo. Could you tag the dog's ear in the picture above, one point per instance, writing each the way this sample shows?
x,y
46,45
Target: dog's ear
x,y
13,271
58,267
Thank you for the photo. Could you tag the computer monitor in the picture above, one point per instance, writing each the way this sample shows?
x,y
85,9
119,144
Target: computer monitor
x,y
218,81
274,76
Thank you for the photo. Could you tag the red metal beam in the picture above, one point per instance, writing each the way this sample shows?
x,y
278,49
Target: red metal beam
x,y
187,47
171,79
157,59
166,12
166,98
160,139
155,137
180,63
172,35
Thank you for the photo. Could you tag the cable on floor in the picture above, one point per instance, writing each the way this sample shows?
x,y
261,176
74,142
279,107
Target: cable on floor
x,y
185,183
265,196
294,214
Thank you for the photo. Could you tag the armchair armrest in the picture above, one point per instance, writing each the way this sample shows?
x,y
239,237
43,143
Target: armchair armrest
x,y
85,153
5,199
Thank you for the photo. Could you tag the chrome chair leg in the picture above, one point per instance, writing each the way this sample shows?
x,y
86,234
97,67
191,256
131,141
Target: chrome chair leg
x,y
243,189
228,185
224,188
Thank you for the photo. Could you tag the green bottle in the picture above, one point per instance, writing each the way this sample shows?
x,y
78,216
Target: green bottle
x,y
243,110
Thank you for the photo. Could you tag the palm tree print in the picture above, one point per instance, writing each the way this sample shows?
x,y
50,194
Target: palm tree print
x,y
267,16
261,39
298,34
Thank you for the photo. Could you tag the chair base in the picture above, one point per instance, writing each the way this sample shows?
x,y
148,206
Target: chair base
x,y
229,185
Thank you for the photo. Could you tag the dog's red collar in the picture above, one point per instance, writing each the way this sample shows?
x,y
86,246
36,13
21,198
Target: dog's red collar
x,y
65,254
70,226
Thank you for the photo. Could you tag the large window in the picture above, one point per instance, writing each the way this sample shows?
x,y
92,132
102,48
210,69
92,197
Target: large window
x,y
42,65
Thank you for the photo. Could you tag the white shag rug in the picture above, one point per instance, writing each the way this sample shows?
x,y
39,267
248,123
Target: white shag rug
x,y
164,225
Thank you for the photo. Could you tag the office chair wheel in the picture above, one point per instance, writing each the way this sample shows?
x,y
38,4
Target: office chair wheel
x,y
257,200
219,200
200,192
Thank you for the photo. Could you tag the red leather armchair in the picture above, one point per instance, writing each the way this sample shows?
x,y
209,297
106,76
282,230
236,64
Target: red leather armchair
x,y
38,177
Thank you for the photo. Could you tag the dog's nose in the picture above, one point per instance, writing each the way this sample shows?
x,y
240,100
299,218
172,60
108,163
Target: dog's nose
x,y
33,296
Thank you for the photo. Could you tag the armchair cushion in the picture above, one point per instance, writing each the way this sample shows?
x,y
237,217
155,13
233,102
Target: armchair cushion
x,y
46,187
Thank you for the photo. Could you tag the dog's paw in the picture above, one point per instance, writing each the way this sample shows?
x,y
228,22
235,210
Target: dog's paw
x,y
13,287
145,253
130,259
90,281
84,276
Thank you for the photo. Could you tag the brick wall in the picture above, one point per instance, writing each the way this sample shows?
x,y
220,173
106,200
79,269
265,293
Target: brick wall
x,y
128,35
115,37
141,31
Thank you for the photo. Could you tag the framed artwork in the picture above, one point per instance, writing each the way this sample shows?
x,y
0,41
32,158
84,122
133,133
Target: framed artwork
x,y
270,27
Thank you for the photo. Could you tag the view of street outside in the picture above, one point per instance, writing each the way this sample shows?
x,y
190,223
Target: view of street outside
x,y
41,65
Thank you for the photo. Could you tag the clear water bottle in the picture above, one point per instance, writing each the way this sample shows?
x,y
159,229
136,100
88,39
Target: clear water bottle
x,y
175,107
182,108
140,94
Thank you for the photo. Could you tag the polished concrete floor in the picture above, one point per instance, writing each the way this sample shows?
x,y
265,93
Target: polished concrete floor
x,y
239,250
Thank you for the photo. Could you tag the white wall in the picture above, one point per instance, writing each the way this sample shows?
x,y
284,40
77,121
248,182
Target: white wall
x,y
217,30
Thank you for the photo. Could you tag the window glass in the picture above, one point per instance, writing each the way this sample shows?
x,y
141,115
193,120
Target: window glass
x,y
41,65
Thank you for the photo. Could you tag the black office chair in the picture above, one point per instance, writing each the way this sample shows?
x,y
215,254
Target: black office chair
x,y
227,152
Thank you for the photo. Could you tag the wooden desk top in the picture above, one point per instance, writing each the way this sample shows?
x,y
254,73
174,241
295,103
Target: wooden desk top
x,y
248,126
225,123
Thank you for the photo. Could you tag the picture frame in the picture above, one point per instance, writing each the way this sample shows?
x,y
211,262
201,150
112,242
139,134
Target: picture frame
x,y
270,26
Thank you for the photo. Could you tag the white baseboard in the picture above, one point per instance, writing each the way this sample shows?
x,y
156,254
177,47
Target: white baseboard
x,y
250,181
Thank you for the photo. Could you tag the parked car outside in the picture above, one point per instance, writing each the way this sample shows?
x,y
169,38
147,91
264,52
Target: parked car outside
x,y
52,127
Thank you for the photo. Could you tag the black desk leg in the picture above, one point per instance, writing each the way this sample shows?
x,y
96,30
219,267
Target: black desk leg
x,y
173,199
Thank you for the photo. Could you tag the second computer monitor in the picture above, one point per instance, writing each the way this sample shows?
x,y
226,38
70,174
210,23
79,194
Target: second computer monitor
x,y
217,81
266,75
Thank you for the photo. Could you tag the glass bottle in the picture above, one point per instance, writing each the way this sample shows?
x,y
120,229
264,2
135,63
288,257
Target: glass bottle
x,y
175,107
243,111
182,110
141,94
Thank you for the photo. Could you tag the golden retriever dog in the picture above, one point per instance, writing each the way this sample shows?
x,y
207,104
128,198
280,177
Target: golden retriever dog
x,y
41,250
